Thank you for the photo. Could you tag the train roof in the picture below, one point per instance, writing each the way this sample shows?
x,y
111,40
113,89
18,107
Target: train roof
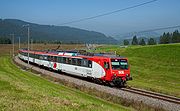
x,y
75,53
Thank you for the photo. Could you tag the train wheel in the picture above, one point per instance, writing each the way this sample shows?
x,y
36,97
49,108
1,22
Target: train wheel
x,y
111,84
97,81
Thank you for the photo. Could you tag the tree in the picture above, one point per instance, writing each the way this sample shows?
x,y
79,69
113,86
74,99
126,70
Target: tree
x,y
126,42
165,38
175,37
168,38
142,42
151,41
162,37
134,41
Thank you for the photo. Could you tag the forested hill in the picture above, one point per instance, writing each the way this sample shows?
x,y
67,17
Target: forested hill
x,y
51,32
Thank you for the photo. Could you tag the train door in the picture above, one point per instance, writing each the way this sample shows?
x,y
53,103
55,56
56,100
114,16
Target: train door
x,y
107,68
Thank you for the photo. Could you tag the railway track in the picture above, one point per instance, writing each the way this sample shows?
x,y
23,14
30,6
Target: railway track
x,y
149,98
146,93
153,95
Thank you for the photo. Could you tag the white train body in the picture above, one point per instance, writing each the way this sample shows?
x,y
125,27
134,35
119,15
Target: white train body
x,y
95,70
104,68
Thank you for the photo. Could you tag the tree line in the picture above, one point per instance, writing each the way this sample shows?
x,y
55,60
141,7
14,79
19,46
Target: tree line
x,y
135,41
5,40
166,38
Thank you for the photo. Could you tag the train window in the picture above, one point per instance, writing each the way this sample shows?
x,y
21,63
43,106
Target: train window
x,y
84,62
119,64
89,63
54,58
45,57
74,61
79,62
37,56
64,60
68,60
25,54
59,59
50,58
30,55
41,57
106,65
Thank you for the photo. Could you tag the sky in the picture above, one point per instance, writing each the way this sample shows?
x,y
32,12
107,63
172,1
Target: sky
x,y
161,13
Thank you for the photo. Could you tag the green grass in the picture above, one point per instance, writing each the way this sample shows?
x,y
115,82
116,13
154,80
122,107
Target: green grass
x,y
155,68
21,90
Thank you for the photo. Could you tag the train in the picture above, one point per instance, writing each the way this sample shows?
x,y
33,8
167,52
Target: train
x,y
100,67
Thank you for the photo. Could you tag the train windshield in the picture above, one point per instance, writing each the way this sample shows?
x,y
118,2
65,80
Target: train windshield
x,y
119,64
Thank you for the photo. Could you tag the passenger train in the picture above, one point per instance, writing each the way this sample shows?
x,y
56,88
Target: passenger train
x,y
109,69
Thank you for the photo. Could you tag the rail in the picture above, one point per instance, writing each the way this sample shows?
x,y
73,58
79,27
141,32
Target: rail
x,y
155,95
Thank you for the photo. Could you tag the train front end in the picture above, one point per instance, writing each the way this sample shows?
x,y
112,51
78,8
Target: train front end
x,y
120,71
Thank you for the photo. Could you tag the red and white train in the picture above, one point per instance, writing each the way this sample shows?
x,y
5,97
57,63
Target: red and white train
x,y
113,70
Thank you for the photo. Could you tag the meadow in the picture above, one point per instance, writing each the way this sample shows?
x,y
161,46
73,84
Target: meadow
x,y
155,68
23,90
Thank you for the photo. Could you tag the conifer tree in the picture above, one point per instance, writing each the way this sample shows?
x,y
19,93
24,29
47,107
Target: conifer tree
x,y
126,42
142,42
134,41
151,41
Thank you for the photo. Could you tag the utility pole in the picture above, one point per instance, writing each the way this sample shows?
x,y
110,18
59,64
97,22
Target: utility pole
x,y
27,25
28,44
12,44
31,44
19,42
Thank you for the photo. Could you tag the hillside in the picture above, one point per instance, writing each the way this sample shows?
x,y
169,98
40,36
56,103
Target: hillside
x,y
51,32
155,68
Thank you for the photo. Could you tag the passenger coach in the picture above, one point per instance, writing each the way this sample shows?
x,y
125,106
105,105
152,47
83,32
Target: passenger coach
x,y
104,68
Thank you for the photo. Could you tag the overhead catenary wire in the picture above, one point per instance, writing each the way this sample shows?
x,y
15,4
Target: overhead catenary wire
x,y
162,28
108,13
155,29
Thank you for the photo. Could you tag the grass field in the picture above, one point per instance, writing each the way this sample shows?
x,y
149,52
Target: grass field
x,y
155,68
22,90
